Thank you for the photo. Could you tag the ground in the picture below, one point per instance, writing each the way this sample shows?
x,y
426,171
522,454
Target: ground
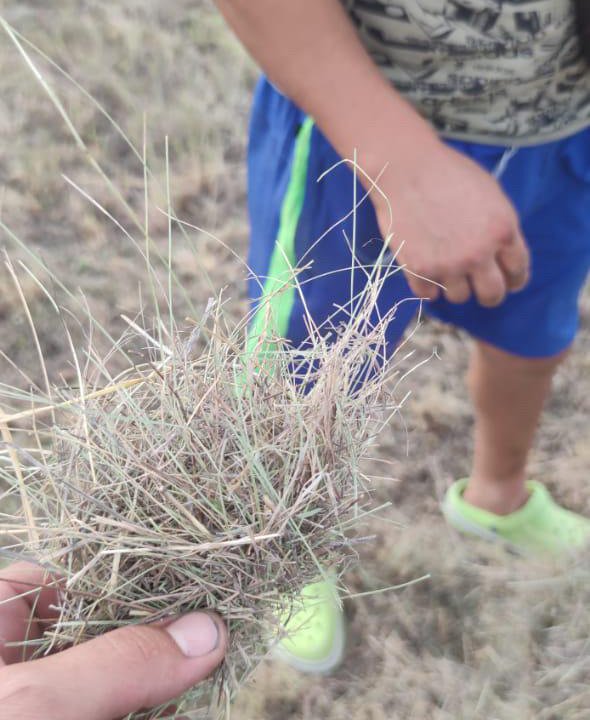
x,y
489,636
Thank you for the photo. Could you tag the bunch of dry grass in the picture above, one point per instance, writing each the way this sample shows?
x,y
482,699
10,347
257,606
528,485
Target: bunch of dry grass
x,y
208,474
206,477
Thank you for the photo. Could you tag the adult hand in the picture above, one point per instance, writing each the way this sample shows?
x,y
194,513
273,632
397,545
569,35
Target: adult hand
x,y
451,223
106,678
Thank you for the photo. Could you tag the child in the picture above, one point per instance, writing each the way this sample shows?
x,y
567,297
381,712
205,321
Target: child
x,y
435,96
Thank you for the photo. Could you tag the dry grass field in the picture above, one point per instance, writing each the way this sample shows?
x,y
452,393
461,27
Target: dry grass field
x,y
488,636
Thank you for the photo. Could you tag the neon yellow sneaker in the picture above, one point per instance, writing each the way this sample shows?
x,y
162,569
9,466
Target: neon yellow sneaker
x,y
316,634
540,526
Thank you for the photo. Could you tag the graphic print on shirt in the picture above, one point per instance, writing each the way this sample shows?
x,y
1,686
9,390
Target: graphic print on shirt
x,y
487,70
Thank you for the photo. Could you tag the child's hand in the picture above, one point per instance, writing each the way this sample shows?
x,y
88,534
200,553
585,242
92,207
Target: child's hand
x,y
452,224
456,225
116,674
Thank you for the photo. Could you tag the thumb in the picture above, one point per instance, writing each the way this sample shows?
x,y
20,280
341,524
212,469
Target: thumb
x,y
116,674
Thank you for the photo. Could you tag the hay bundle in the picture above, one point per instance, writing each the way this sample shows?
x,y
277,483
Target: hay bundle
x,y
209,477
206,477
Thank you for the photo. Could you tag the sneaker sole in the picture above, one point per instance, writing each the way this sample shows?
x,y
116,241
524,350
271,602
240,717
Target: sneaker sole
x,y
460,523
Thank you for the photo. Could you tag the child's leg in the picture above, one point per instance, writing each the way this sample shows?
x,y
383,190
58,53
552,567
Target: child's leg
x,y
508,394
518,346
302,219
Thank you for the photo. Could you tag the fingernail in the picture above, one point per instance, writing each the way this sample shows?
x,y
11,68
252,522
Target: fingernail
x,y
195,634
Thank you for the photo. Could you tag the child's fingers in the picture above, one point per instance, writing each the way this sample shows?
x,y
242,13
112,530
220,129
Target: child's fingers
x,y
489,284
514,259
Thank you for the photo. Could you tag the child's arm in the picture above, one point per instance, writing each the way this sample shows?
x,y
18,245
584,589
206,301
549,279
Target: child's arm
x,y
456,225
310,50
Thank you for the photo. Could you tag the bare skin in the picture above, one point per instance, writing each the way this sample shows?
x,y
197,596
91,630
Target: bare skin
x,y
508,394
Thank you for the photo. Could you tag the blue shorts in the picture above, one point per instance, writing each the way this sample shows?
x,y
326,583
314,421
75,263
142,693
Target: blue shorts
x,y
297,221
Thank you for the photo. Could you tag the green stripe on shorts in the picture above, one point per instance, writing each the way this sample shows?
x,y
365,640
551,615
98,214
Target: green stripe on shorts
x,y
278,294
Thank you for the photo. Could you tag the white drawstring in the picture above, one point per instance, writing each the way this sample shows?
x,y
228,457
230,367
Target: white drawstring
x,y
507,156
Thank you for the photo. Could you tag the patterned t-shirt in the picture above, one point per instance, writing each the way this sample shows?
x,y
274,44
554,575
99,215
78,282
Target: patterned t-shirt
x,y
496,71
